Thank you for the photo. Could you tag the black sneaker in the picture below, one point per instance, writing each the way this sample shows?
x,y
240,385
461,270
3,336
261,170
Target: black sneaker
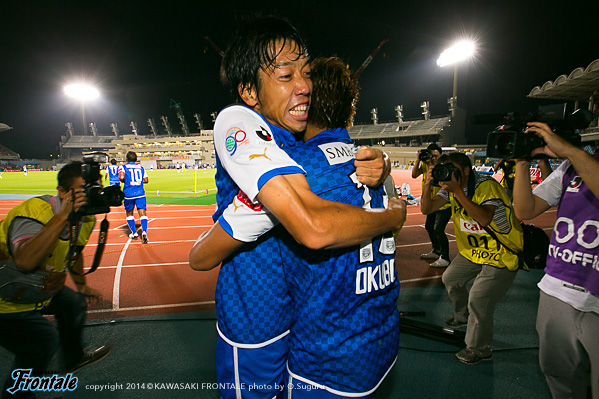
x,y
469,356
91,357
144,238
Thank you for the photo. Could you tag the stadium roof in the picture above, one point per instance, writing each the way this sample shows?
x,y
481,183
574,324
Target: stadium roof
x,y
580,85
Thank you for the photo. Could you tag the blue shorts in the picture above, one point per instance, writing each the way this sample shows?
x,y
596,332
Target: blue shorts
x,y
140,203
115,183
256,371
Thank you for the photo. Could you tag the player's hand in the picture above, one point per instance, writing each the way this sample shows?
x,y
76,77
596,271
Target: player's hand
x,y
91,295
372,167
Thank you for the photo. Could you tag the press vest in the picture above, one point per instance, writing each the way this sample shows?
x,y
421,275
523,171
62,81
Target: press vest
x,y
40,210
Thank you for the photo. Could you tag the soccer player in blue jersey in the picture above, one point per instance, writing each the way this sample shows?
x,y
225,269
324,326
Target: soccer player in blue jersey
x,y
332,353
267,69
135,176
113,174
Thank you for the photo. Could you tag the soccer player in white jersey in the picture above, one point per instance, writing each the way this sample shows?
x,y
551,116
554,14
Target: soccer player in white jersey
x,y
266,67
135,176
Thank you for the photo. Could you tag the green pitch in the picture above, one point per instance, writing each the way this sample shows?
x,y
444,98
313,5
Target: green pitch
x,y
165,186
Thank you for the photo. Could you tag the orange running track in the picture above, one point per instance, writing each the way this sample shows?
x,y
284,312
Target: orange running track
x,y
155,278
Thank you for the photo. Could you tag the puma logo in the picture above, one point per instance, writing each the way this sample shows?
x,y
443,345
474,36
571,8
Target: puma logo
x,y
235,205
260,155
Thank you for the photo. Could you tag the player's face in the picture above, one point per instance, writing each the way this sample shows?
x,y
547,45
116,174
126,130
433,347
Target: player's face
x,y
284,95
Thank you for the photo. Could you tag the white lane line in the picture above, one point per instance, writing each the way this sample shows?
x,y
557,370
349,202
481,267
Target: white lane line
x,y
166,306
419,279
117,278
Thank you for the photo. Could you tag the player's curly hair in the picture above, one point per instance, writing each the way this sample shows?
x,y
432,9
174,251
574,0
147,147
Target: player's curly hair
x,y
254,47
334,94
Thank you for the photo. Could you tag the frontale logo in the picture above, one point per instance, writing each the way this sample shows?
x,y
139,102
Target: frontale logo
x,y
264,134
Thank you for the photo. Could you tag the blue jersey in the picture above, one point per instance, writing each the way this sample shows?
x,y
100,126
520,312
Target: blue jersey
x,y
113,175
346,323
252,302
134,180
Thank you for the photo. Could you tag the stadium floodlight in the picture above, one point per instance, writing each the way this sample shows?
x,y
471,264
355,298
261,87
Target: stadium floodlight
x,y
83,93
459,52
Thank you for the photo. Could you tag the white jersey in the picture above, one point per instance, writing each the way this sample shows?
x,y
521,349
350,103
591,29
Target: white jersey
x,y
249,154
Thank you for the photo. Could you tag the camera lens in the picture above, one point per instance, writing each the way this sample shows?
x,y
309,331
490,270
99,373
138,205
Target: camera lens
x,y
505,144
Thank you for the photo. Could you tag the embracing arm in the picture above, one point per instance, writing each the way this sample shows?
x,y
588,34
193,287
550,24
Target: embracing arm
x,y
211,248
317,223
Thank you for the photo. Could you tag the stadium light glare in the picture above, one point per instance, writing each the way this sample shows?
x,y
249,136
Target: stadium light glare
x,y
82,91
460,51
457,53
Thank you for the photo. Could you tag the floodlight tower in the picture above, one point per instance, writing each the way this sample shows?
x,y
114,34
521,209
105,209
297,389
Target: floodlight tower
x,y
198,119
83,93
152,126
167,126
133,127
399,113
115,129
425,110
374,116
459,52
180,115
93,128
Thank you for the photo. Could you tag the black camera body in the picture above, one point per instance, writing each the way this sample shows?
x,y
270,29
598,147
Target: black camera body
x,y
425,155
509,141
99,199
444,172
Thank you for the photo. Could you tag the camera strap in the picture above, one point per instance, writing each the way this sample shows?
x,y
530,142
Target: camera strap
x,y
494,236
74,230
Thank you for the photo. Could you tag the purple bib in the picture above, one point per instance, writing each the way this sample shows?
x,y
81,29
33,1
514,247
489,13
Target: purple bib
x,y
574,249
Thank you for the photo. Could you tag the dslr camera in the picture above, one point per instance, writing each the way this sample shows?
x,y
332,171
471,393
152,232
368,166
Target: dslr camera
x,y
99,199
444,172
510,142
425,155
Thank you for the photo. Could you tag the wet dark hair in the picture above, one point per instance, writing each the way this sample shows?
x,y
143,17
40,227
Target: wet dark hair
x,y
334,94
254,47
113,161
131,156
433,147
464,162
68,174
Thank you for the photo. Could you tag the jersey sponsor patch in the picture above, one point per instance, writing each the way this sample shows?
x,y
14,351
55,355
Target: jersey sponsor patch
x,y
235,137
338,153
471,226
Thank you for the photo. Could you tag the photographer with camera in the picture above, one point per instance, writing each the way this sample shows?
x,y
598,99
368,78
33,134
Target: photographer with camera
x,y
35,235
484,223
436,221
568,314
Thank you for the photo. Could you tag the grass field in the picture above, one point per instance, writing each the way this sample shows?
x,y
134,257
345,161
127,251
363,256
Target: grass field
x,y
165,186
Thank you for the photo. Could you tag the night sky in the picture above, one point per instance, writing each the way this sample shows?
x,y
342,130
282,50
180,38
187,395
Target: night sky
x,y
142,54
